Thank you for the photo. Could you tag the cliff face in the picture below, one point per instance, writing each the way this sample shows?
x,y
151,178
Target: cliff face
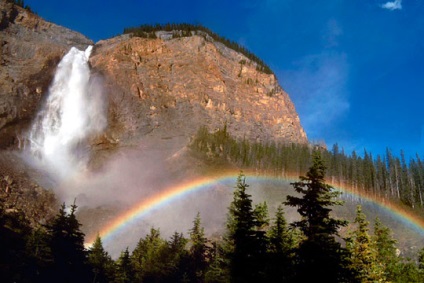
x,y
171,86
159,91
30,49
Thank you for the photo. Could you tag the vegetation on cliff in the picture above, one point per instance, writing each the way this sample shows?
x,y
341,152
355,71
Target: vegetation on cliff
x,y
187,30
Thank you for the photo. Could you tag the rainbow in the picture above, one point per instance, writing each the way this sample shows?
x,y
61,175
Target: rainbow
x,y
171,194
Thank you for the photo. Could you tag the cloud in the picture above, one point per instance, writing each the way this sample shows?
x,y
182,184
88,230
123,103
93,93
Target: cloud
x,y
395,5
318,87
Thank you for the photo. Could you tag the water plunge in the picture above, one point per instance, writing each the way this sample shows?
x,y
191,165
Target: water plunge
x,y
73,111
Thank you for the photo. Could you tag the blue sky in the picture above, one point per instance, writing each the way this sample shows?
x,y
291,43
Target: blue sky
x,y
354,69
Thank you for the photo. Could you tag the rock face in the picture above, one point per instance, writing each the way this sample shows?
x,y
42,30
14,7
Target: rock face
x,y
30,49
159,91
169,87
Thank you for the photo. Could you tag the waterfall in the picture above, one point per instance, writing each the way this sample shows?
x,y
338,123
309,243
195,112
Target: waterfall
x,y
73,111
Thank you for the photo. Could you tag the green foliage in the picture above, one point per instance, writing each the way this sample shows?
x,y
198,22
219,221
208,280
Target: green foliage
x,y
186,30
125,272
387,176
254,248
198,251
102,265
66,242
386,250
319,254
244,234
363,255
281,249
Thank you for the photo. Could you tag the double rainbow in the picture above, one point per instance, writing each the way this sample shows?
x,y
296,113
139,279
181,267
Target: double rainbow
x,y
171,194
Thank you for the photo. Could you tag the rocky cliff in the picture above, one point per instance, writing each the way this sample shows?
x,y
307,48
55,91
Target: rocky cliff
x,y
160,92
30,49
176,85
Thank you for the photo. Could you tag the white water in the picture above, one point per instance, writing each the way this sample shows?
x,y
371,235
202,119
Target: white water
x,y
73,111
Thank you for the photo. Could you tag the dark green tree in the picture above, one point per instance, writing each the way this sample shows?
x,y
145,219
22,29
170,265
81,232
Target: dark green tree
x,y
102,265
319,254
363,260
15,259
198,250
386,249
177,259
125,272
66,242
421,260
148,257
217,271
281,249
242,237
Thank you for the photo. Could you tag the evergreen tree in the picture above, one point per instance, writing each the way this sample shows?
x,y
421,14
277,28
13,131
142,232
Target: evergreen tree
x,y
148,257
242,237
218,267
177,258
101,263
67,248
15,259
125,272
319,254
198,250
386,249
421,260
281,249
363,256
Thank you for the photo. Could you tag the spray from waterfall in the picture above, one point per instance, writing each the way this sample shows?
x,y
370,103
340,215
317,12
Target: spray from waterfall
x,y
73,111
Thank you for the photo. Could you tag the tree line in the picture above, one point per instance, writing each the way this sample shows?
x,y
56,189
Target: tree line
x,y
21,4
187,30
386,176
254,247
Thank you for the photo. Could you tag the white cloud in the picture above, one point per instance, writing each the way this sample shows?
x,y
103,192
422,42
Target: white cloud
x,y
318,87
394,5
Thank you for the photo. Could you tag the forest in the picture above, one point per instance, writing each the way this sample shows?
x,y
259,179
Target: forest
x,y
254,248
187,30
390,177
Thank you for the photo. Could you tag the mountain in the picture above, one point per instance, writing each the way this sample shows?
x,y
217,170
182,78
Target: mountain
x,y
160,91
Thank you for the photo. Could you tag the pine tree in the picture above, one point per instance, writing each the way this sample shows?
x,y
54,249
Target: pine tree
x,y
386,249
125,272
15,259
281,249
217,271
363,259
421,260
101,263
242,237
198,250
148,259
177,259
319,254
67,247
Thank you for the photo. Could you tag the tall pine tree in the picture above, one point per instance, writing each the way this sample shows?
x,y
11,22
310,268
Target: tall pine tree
x,y
319,254
243,243
66,242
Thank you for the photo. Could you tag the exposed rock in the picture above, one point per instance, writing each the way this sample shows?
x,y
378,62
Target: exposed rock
x,y
19,190
161,91
169,87
30,49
